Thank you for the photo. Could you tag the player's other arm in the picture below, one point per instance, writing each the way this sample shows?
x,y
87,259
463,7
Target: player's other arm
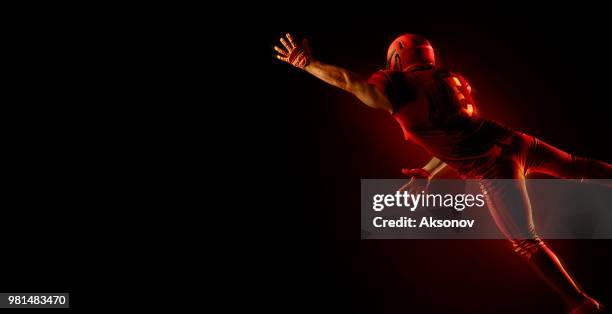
x,y
434,166
428,171
420,177
299,55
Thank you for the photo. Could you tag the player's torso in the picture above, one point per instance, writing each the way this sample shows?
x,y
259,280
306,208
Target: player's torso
x,y
435,109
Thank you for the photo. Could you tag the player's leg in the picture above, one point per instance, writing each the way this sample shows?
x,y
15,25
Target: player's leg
x,y
540,157
545,158
510,207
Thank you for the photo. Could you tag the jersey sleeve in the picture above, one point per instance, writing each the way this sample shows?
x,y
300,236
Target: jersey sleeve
x,y
384,82
380,80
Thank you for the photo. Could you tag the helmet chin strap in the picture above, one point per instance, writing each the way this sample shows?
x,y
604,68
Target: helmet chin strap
x,y
388,65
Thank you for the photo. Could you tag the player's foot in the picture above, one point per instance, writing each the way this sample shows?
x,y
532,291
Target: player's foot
x,y
588,305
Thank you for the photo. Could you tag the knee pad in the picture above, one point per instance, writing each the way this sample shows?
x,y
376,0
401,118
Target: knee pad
x,y
527,247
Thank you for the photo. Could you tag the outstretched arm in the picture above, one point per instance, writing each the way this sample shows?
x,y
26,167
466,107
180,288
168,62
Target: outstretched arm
x,y
351,83
299,55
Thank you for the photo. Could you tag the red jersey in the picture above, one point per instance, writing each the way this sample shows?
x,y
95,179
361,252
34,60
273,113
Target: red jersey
x,y
435,109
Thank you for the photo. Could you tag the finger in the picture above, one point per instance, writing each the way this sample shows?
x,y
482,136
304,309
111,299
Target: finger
x,y
408,187
293,45
281,51
416,172
409,172
279,57
282,40
412,172
403,188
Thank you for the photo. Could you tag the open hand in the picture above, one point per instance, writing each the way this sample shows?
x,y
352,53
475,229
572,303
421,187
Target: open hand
x,y
297,55
419,181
